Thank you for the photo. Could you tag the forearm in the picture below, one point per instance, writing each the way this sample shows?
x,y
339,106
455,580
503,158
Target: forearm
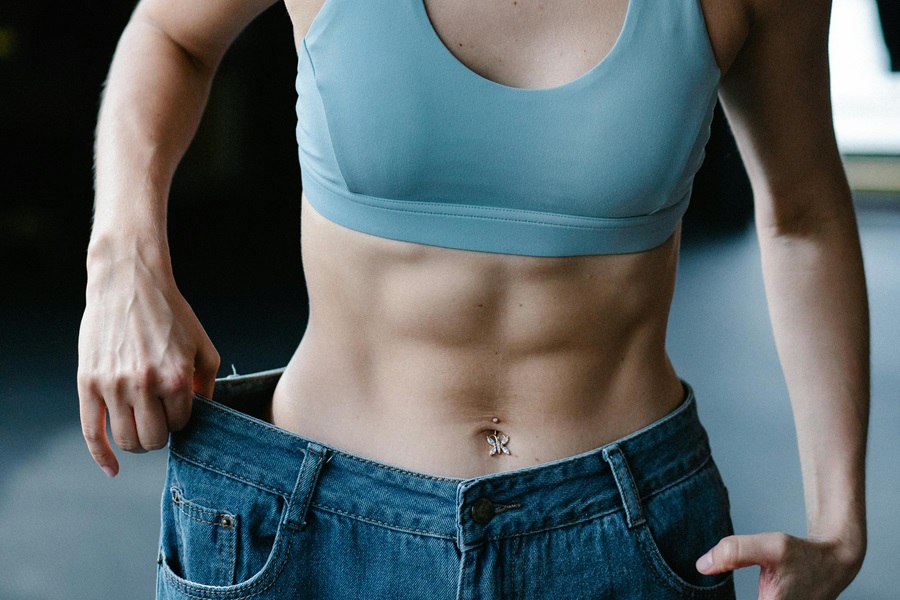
x,y
152,104
817,299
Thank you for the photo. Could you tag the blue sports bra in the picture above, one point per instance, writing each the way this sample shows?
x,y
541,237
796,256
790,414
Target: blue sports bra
x,y
401,140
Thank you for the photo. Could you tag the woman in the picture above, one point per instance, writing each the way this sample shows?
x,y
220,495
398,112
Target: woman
x,y
482,405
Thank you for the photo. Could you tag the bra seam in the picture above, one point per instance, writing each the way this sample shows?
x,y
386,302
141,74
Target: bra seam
x,y
309,59
333,152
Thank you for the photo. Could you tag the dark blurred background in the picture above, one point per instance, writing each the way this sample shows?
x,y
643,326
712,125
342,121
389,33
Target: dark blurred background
x,y
235,199
234,226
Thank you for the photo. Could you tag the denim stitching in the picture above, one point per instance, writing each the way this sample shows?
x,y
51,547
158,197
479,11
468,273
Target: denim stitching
x,y
682,478
228,473
635,495
316,467
198,519
283,434
438,534
662,572
519,533
186,508
554,526
661,569
687,475
232,552
186,590
258,422
383,523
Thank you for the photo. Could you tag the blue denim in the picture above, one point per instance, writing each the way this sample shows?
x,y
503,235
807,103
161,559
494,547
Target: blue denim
x,y
250,510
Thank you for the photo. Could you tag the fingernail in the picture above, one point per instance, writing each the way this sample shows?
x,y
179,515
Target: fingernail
x,y
704,562
109,471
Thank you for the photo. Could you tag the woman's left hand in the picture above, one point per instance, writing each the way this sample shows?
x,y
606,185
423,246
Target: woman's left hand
x,y
791,568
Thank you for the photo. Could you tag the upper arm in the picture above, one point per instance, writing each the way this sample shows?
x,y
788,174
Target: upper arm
x,y
777,98
203,29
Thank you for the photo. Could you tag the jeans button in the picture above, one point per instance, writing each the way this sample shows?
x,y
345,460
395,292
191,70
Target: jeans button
x,y
482,511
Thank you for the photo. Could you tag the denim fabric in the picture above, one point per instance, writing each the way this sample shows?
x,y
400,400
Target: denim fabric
x,y
250,510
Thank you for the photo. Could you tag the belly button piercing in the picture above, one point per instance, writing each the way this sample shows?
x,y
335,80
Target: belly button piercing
x,y
498,442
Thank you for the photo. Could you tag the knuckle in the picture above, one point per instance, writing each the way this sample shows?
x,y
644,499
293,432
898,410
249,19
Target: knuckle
x,y
87,383
728,552
781,545
146,378
139,380
119,383
126,443
84,379
93,435
178,384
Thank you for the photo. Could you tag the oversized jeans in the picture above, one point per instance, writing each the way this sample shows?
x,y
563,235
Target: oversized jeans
x,y
250,510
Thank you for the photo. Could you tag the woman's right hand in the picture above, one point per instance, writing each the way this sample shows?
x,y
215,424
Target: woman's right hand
x,y
142,354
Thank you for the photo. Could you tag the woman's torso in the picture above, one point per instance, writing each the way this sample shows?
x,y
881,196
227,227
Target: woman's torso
x,y
412,350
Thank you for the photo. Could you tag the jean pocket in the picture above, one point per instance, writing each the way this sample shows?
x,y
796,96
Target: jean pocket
x,y
206,531
219,534
683,521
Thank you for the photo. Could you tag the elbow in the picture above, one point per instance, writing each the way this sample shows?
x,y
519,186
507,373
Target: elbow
x,y
806,213
202,60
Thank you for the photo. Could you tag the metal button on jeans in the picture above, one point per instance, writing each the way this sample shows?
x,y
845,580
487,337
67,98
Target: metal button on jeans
x,y
482,511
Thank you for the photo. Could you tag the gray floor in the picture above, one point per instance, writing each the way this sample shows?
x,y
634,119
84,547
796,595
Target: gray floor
x,y
66,531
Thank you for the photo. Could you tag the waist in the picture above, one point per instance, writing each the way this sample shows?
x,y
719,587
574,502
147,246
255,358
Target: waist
x,y
427,357
470,414
225,433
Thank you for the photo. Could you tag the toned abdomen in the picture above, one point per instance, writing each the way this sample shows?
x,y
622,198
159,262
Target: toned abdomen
x,y
412,350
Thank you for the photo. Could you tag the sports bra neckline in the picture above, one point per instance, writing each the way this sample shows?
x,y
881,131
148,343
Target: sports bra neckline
x,y
445,55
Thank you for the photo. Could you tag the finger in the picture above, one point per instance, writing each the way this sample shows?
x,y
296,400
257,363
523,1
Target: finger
x,y
150,421
123,426
176,393
739,551
206,366
177,411
92,411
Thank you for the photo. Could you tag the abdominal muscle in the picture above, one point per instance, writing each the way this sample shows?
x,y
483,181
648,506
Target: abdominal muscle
x,y
412,351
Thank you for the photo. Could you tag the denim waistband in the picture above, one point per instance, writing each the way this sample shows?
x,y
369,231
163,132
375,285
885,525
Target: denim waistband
x,y
500,505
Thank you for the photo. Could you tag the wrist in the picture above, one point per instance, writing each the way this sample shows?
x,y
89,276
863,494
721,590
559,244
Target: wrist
x,y
109,251
848,542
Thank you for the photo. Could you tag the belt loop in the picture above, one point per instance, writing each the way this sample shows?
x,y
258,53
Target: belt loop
x,y
313,458
631,499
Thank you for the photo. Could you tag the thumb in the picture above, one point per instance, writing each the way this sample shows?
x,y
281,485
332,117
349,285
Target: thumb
x,y
206,366
739,551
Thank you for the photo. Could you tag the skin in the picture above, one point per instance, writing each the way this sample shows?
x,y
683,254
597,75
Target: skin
x,y
567,353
